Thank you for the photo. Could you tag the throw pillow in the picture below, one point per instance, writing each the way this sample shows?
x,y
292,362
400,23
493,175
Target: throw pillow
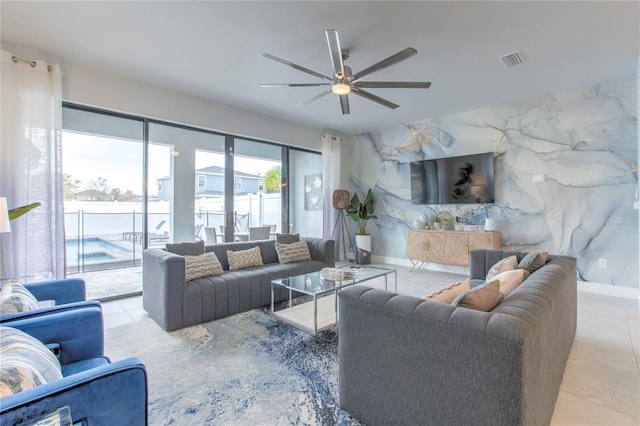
x,y
448,294
14,297
534,261
26,362
201,266
507,264
195,248
294,252
510,280
244,258
485,297
287,238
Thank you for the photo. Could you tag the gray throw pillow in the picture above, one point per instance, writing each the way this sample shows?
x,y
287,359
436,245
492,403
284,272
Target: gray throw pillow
x,y
287,238
195,248
533,261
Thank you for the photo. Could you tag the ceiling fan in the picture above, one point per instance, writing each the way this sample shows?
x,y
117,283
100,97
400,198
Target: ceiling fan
x,y
344,82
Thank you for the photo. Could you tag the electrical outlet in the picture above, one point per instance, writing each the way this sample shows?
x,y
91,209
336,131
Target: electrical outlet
x,y
602,263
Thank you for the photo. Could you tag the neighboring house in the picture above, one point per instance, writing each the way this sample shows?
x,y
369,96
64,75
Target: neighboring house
x,y
210,183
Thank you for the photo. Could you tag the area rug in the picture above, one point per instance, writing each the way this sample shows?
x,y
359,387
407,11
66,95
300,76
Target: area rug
x,y
248,369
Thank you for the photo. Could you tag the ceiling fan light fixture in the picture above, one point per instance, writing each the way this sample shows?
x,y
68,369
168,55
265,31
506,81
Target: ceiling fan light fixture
x,y
341,88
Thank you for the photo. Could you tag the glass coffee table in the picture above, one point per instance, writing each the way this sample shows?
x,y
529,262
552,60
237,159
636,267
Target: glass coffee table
x,y
321,313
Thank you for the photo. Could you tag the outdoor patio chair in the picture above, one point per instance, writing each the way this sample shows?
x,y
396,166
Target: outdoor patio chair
x,y
259,232
210,234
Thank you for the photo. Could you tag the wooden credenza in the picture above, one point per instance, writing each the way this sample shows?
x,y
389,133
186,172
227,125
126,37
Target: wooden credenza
x,y
448,247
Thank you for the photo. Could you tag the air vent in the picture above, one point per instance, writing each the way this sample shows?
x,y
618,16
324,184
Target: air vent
x,y
513,59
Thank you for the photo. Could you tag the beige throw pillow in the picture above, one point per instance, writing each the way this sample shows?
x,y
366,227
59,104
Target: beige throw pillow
x,y
244,258
204,265
485,297
293,252
507,264
509,281
448,294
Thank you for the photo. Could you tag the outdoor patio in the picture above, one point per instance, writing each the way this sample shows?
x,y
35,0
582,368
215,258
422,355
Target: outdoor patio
x,y
110,283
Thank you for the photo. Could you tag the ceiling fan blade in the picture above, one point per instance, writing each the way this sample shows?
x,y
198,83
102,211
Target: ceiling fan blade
x,y
393,84
294,66
374,98
336,53
294,85
391,60
344,104
313,98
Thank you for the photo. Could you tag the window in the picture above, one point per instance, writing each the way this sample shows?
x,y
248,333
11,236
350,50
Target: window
x,y
260,185
202,181
237,184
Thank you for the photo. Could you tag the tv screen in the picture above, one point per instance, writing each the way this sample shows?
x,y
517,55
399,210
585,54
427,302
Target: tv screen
x,y
467,179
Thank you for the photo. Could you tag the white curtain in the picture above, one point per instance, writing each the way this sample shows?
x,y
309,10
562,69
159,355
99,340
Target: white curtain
x,y
332,178
31,167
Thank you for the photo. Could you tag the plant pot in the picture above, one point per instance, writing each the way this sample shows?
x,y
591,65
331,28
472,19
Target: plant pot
x,y
363,249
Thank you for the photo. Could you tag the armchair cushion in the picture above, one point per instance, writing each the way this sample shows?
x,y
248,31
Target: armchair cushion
x,y
67,290
26,362
14,297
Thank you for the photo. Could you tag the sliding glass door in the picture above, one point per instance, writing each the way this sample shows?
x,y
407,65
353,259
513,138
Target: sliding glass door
x,y
102,167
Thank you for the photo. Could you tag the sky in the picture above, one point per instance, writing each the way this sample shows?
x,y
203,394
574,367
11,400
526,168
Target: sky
x,y
87,157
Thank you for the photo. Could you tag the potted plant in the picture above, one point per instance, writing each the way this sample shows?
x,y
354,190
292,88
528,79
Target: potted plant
x,y
362,212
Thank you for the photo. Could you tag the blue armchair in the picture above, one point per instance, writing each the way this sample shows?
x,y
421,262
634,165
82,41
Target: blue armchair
x,y
64,291
97,391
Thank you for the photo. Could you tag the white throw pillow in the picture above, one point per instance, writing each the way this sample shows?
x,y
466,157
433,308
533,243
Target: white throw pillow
x,y
509,281
244,258
204,265
26,362
448,294
293,252
14,297
507,264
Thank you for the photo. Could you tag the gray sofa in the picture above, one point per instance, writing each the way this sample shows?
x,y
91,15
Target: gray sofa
x,y
409,361
175,303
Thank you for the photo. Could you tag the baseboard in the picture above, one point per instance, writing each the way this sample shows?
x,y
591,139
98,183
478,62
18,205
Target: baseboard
x,y
609,290
440,267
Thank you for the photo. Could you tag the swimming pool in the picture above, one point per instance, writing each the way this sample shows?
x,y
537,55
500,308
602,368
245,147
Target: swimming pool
x,y
94,251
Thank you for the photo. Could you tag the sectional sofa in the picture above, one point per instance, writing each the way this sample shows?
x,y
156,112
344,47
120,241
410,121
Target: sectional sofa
x,y
408,361
175,303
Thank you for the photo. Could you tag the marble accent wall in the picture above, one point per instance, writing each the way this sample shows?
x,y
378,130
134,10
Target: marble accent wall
x,y
584,141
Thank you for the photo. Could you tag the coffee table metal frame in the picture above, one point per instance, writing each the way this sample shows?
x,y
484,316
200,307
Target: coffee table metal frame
x,y
310,284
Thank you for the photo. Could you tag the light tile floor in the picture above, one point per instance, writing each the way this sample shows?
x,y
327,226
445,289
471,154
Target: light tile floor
x,y
601,384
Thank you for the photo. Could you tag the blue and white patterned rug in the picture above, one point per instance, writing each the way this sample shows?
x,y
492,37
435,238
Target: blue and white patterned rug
x,y
248,369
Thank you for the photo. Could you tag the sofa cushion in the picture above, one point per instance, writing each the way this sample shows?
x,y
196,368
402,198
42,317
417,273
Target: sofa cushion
x,y
507,264
287,238
14,297
510,280
534,261
294,252
485,297
195,248
244,258
26,362
201,266
449,293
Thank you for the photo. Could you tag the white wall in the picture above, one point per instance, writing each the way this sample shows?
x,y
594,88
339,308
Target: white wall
x,y
92,87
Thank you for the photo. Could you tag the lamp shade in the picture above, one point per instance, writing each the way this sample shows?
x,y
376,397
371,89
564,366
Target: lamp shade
x,y
5,226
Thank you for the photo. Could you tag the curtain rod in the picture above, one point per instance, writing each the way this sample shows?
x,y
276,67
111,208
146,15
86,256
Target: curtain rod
x,y
15,60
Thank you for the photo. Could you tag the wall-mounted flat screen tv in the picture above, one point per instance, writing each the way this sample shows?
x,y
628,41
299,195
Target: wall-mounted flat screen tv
x,y
467,179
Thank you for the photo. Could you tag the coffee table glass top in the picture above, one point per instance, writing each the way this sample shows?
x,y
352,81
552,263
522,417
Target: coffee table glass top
x,y
313,284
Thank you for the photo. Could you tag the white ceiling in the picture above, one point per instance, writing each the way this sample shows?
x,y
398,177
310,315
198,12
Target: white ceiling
x,y
214,50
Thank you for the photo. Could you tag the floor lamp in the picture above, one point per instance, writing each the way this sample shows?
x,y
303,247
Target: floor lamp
x,y
340,203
